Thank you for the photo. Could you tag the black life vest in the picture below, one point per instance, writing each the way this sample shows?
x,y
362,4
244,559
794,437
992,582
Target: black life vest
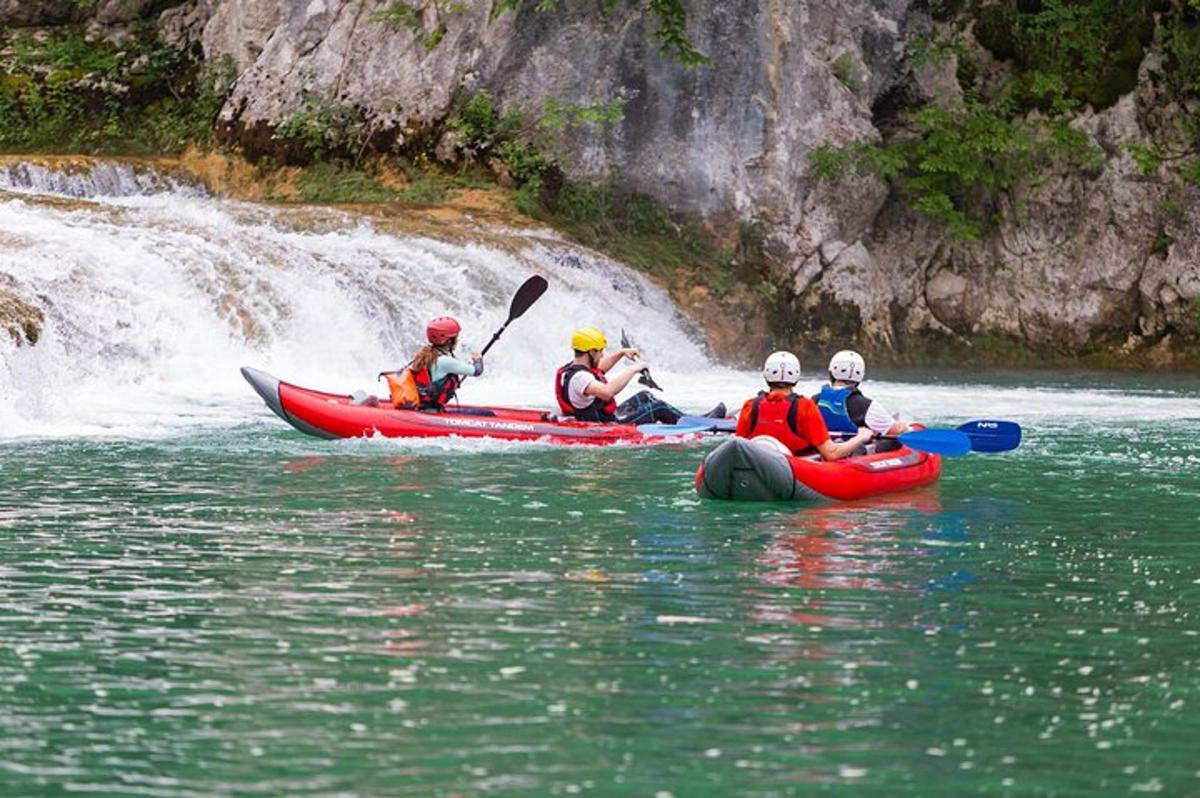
x,y
594,411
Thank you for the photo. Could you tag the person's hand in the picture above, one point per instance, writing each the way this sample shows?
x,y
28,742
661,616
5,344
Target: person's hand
x,y
641,365
631,352
476,357
866,434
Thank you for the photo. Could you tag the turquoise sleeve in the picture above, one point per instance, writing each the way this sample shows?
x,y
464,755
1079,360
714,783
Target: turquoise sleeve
x,y
451,365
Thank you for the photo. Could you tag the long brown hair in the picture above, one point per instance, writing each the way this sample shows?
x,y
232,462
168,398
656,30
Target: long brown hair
x,y
430,353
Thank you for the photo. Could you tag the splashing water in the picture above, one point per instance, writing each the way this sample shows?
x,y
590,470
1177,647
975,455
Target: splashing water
x,y
153,301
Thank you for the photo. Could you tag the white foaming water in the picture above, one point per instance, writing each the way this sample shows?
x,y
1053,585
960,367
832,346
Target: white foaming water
x,y
155,295
153,301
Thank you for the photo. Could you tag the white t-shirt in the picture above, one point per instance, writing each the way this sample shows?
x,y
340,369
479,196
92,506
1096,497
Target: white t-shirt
x,y
579,382
878,419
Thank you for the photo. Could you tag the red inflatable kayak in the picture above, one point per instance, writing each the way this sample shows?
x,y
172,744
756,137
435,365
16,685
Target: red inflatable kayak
x,y
328,415
757,470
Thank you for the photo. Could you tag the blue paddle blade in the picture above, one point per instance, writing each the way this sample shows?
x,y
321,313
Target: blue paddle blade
x,y
673,429
992,436
715,424
949,442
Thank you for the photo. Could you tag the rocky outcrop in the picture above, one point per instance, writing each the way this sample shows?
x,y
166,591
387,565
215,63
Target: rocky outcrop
x,y
1106,259
21,320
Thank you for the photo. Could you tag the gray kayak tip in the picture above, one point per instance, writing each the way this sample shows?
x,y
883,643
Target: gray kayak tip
x,y
745,470
267,387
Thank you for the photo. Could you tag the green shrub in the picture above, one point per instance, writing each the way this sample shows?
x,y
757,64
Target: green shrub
x,y
959,161
1161,244
1180,37
1067,52
323,128
65,93
846,70
399,14
330,183
425,189
1145,156
1189,171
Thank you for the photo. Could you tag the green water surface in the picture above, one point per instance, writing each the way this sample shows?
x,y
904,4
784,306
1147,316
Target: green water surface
x,y
248,612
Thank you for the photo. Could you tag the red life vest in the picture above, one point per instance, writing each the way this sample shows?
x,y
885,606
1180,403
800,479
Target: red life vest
x,y
777,417
593,412
435,395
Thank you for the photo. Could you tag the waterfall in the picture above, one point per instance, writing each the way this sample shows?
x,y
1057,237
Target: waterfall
x,y
155,293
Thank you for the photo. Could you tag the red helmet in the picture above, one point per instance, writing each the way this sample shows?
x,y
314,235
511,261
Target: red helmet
x,y
441,330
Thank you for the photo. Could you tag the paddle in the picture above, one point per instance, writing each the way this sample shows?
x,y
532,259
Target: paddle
x,y
715,424
948,442
992,436
674,429
529,292
644,378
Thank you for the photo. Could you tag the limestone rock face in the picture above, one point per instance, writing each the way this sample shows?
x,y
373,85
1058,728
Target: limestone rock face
x,y
1106,256
730,139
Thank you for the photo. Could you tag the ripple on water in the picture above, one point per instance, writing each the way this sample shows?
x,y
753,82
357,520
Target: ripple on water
x,y
201,616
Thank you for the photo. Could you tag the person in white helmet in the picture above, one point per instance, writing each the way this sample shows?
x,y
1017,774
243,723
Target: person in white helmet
x,y
790,418
844,407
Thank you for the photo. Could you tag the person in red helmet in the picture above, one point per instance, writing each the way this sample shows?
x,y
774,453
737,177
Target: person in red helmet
x,y
435,372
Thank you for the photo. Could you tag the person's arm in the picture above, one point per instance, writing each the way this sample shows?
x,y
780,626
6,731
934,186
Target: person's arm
x,y
836,451
882,422
812,427
447,364
612,358
606,391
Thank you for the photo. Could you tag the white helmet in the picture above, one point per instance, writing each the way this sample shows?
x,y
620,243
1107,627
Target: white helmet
x,y
848,366
782,367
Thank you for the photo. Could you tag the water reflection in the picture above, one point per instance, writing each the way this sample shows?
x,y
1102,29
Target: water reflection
x,y
853,550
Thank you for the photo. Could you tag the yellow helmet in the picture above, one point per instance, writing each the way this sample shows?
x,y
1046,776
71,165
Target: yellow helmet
x,y
587,338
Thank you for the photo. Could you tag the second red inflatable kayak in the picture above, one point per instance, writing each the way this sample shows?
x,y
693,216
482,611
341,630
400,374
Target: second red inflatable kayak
x,y
757,470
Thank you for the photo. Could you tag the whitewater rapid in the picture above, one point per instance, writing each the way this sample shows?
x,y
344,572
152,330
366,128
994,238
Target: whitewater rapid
x,y
155,294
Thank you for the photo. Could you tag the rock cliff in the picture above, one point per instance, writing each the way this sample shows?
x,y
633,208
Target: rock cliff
x,y
1108,259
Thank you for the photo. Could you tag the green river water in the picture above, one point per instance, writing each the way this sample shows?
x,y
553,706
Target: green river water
x,y
244,611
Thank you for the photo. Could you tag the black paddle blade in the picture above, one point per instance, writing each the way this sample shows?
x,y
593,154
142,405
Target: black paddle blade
x,y
526,295
648,381
644,378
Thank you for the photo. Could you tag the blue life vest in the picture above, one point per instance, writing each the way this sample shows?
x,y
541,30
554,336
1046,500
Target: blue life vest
x,y
832,404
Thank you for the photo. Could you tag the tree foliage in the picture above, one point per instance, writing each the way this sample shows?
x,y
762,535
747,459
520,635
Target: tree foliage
x,y
64,92
958,162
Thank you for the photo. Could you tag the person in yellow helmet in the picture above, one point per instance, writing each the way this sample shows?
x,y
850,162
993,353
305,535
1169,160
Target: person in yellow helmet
x,y
584,391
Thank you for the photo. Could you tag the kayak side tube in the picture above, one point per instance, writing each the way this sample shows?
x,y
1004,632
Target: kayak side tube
x,y
267,387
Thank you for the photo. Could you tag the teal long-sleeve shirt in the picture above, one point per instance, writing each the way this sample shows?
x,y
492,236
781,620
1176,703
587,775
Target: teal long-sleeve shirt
x,y
448,364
